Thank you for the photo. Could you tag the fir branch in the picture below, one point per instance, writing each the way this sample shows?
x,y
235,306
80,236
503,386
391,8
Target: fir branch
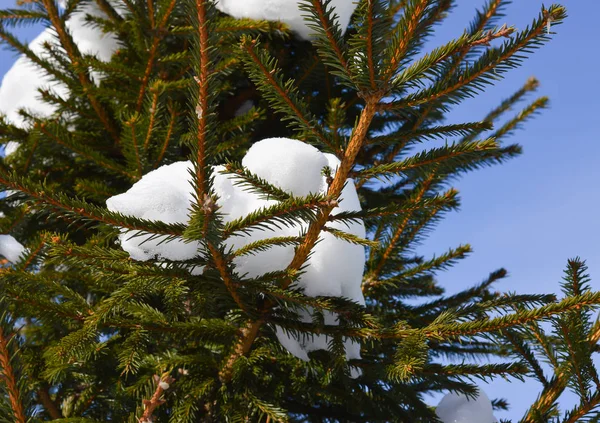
x,y
402,39
530,85
158,33
374,273
288,213
163,383
202,109
75,209
74,54
473,77
282,95
328,38
450,159
167,138
254,184
357,140
529,111
10,379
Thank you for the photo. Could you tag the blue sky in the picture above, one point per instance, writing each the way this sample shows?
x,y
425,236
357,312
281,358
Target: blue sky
x,y
533,213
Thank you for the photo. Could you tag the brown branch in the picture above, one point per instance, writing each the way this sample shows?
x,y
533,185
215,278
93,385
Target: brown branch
x,y
406,38
399,231
584,409
162,384
48,404
167,138
221,265
42,197
106,165
131,123
370,63
33,254
158,34
430,106
10,380
249,47
75,57
152,118
318,6
467,77
202,107
355,144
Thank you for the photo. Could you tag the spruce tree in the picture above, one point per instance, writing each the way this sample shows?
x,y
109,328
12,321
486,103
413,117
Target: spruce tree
x,y
146,207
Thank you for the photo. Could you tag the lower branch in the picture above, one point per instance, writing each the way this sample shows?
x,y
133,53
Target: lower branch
x,y
163,384
10,380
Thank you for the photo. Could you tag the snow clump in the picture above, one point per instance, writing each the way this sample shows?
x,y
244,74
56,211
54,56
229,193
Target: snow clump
x,y
335,267
21,83
286,11
458,408
10,248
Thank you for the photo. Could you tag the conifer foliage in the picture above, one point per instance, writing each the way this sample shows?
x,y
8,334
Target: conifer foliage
x,y
90,333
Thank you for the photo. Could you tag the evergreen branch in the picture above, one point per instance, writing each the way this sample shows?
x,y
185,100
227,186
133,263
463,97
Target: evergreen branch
x,y
510,320
131,148
295,211
74,209
484,18
435,132
162,384
587,406
449,159
10,379
498,59
369,40
266,244
328,37
352,239
516,370
16,17
167,138
479,25
158,33
547,398
374,273
74,54
252,183
282,95
152,111
456,300
222,266
530,85
203,107
273,413
523,350
109,10
401,41
442,262
24,49
237,27
425,66
525,114
62,137
357,140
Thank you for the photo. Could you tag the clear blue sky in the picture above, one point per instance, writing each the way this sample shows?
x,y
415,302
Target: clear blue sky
x,y
535,212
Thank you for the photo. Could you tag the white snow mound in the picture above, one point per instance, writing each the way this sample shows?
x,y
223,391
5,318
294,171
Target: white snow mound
x,y
286,11
20,85
10,248
458,408
335,267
